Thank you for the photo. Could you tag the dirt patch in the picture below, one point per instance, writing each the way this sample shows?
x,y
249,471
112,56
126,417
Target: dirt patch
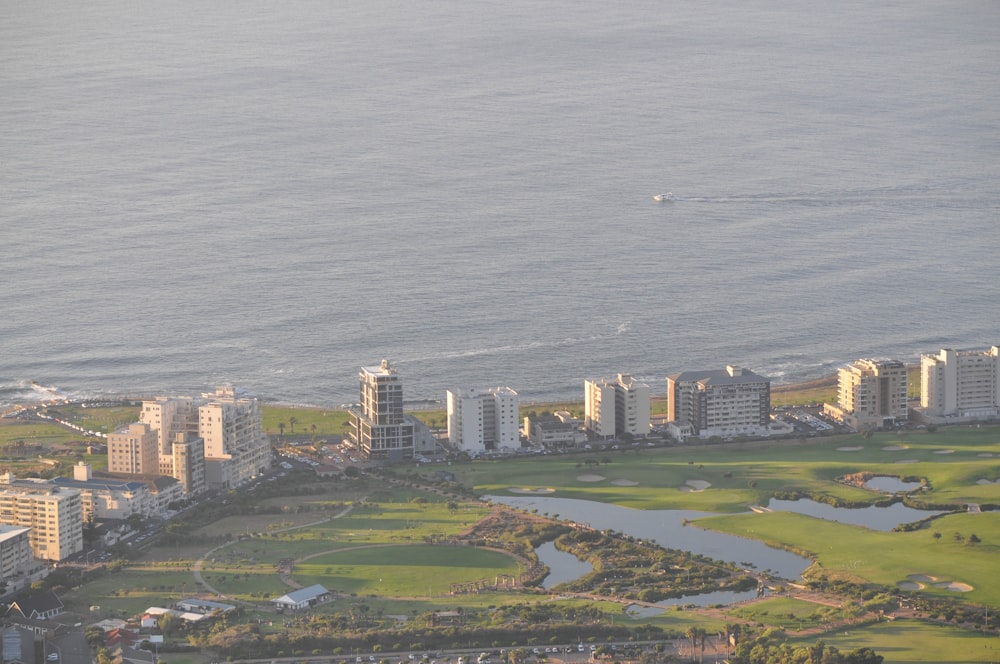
x,y
624,483
590,478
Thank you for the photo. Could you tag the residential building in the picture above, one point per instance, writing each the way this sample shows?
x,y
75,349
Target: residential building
x,y
236,448
15,552
188,463
378,428
53,515
554,432
221,435
730,402
108,498
133,449
615,408
962,384
162,490
43,605
871,394
483,420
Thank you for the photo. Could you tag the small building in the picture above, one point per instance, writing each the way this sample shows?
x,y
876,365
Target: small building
x,y
303,598
203,606
39,606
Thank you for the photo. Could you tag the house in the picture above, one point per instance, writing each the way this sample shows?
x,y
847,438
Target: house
x,y
203,606
302,598
40,606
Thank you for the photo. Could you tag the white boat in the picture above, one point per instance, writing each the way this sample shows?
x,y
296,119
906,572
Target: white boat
x,y
664,198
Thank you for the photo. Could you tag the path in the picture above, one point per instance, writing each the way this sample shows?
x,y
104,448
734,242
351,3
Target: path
x,y
198,564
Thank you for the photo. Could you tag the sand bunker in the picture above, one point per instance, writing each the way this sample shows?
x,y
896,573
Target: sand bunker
x,y
695,486
908,461
985,454
624,483
854,448
956,586
923,578
909,585
944,451
590,478
537,490
895,448
985,481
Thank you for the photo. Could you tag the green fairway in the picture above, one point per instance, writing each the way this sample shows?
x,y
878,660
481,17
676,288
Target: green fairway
x,y
887,558
415,570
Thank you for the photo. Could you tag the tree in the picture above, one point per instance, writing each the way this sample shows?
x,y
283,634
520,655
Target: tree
x,y
937,536
292,421
281,428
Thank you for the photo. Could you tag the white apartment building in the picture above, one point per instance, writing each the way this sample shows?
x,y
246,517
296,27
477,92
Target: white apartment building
x,y
103,498
871,394
961,384
169,417
724,403
379,430
615,408
53,515
483,420
134,449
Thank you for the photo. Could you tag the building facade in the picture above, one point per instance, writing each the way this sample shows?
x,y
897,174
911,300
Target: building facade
x,y
871,394
53,515
730,402
613,408
134,449
103,499
221,438
15,551
962,384
378,428
480,421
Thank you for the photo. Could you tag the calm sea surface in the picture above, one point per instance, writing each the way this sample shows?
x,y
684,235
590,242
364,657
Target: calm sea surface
x,y
275,194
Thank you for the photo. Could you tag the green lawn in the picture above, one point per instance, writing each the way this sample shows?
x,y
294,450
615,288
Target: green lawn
x,y
414,570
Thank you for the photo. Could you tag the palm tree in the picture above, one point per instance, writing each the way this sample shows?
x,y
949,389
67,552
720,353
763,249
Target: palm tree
x,y
292,421
281,428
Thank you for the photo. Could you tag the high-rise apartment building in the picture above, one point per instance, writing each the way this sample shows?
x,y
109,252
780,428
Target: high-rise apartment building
x,y
480,421
613,408
871,394
378,428
725,403
134,449
236,449
53,515
961,383
221,435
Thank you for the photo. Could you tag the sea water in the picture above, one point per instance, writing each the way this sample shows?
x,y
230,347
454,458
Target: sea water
x,y
276,194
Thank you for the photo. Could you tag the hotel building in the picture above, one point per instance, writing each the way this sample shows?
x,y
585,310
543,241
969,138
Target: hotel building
x,y
133,449
725,403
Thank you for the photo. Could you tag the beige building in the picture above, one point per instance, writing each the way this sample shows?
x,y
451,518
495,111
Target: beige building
x,y
724,403
53,515
15,552
104,498
133,449
379,430
614,408
222,438
961,384
871,394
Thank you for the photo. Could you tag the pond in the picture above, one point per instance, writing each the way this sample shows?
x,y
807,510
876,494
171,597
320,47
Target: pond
x,y
888,484
562,566
666,528
872,517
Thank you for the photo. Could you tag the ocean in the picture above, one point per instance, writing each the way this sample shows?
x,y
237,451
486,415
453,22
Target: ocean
x,y
273,195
